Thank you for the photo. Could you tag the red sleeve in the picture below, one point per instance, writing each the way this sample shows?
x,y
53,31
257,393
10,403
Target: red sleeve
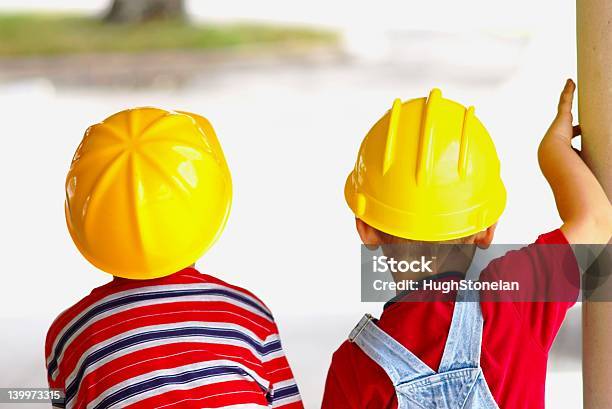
x,y
549,281
554,237
284,392
334,396
52,333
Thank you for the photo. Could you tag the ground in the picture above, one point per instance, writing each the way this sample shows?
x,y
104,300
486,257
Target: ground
x,y
21,34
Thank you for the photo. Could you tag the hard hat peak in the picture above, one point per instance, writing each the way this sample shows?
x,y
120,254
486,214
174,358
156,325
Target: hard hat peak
x,y
435,93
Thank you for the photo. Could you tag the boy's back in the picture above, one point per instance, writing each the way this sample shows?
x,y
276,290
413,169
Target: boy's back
x,y
428,176
186,338
147,193
515,343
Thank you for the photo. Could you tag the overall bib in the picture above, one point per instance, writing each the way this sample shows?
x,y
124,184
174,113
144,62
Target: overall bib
x,y
459,382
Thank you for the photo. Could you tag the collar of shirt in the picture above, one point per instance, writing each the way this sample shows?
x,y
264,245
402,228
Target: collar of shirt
x,y
453,275
121,280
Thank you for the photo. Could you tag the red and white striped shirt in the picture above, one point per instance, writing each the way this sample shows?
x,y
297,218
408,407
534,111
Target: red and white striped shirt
x,y
187,340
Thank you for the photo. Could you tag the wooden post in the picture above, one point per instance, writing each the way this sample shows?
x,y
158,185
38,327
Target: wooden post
x,y
594,35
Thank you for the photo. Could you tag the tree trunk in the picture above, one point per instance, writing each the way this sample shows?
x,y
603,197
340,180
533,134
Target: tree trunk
x,y
137,11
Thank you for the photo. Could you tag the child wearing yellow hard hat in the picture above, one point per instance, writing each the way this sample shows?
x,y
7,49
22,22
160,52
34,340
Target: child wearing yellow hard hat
x,y
148,192
427,174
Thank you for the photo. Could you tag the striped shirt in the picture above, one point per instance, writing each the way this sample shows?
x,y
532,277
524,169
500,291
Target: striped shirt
x,y
187,340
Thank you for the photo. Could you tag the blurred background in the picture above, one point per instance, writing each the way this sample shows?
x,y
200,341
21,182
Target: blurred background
x,y
291,88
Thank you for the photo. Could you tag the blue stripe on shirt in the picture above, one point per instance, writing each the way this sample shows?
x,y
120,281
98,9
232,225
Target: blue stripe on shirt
x,y
174,379
284,392
223,333
133,298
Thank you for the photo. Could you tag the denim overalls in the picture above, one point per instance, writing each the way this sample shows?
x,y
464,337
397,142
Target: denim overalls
x,y
459,382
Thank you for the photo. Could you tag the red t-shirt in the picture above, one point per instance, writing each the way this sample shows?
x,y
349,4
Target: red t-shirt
x,y
516,340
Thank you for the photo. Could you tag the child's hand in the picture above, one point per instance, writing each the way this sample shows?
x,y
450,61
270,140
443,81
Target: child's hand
x,y
581,201
561,126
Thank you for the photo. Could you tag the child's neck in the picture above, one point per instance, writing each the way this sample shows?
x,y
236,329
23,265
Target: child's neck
x,y
445,265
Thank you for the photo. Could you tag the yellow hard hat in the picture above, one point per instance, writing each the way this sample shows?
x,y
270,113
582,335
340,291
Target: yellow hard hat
x,y
148,192
427,170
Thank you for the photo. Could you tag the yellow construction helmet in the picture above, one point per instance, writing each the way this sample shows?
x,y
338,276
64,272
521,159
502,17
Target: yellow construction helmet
x,y
148,192
427,170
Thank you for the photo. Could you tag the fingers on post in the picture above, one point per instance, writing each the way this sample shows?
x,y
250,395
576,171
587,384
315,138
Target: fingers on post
x,y
566,99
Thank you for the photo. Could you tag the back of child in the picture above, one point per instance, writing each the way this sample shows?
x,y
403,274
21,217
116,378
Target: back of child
x,y
428,174
148,192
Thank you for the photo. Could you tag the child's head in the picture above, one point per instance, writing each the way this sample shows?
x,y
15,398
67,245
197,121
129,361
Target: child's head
x,y
427,172
450,255
148,192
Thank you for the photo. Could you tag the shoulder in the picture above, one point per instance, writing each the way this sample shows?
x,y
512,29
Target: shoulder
x,y
553,237
73,313
348,359
547,249
354,378
237,289
233,290
342,363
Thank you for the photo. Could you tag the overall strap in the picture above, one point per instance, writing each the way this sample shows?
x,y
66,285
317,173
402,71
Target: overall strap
x,y
398,362
464,340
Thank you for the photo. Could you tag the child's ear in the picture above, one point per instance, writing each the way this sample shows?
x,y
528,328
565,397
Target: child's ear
x,y
484,238
369,235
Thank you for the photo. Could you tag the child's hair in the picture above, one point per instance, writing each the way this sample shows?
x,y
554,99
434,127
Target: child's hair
x,y
391,239
449,254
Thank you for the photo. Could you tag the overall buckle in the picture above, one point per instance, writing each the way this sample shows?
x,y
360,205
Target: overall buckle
x,y
365,320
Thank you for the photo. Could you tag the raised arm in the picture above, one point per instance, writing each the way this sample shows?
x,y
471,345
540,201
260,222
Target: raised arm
x,y
583,205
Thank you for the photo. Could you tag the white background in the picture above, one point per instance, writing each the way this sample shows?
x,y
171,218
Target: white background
x,y
290,132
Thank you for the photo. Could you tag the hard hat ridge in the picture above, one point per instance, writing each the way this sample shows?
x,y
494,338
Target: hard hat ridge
x,y
424,159
468,123
394,121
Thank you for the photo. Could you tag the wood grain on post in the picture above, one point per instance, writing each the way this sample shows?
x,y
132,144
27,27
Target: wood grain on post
x,y
594,35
